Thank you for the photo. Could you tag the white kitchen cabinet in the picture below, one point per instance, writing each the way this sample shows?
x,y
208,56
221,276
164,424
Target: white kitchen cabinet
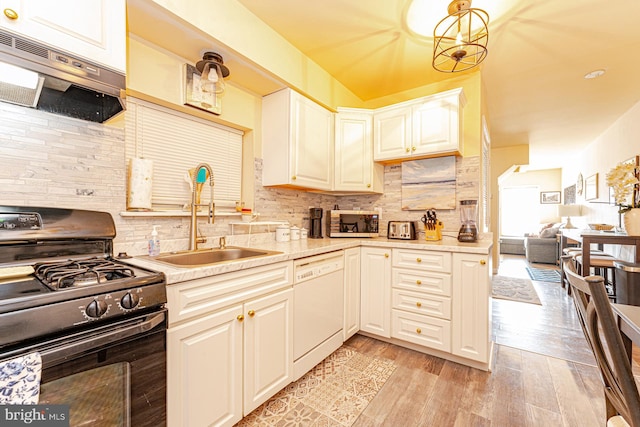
x,y
200,354
297,142
229,344
351,293
355,170
268,347
425,127
94,30
392,133
471,316
421,298
375,291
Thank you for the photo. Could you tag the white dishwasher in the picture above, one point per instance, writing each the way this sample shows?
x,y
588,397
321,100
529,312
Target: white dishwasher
x,y
318,309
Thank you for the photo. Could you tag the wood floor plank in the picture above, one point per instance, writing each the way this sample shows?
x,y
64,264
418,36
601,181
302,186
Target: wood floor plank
x,y
444,403
539,391
508,407
576,407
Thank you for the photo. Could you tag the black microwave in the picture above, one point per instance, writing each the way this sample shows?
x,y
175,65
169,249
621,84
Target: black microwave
x,y
345,223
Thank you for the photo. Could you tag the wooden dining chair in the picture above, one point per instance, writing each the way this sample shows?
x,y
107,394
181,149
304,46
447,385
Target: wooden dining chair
x,y
601,331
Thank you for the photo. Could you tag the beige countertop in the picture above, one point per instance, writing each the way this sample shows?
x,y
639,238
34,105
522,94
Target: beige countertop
x,y
304,248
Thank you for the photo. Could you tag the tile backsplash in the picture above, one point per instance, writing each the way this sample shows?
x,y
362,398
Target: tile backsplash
x,y
50,160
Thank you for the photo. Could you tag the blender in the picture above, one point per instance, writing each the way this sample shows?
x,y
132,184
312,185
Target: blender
x,y
468,212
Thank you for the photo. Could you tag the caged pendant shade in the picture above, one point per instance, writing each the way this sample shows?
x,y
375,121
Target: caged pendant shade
x,y
460,39
212,73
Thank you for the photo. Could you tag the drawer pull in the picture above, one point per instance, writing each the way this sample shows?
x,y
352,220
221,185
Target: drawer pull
x,y
386,255
418,331
418,259
11,14
482,262
418,304
240,317
418,282
251,313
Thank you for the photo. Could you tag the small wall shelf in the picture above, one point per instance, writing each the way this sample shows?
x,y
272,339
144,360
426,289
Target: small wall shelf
x,y
268,224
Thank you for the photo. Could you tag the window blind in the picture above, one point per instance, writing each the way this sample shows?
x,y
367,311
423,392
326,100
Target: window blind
x,y
177,142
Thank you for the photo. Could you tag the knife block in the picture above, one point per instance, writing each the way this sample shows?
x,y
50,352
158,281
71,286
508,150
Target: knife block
x,y
435,234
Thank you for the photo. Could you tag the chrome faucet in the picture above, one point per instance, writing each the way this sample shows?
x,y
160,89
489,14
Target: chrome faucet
x,y
193,226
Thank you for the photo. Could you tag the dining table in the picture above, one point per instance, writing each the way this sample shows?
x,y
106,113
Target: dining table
x,y
588,237
629,325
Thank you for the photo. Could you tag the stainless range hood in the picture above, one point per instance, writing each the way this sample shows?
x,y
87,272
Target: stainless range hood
x,y
66,84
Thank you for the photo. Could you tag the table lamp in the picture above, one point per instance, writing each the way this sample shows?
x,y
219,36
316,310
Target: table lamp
x,y
569,211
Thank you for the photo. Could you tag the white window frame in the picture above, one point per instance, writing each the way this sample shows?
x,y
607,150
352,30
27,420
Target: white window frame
x,y
177,142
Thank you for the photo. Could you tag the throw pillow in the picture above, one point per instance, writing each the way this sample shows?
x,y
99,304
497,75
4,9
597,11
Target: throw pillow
x,y
549,232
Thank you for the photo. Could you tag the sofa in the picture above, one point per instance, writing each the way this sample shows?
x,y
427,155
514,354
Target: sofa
x,y
542,247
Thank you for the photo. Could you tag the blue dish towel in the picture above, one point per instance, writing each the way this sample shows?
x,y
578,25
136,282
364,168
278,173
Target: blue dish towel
x,y
20,380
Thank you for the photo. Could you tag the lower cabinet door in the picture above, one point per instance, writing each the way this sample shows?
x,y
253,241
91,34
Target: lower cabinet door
x,y
422,330
204,381
268,347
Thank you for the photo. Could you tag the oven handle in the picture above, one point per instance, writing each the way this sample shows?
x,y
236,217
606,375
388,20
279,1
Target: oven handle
x,y
51,357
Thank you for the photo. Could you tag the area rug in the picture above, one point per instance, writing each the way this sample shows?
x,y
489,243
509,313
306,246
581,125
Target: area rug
x,y
544,274
514,289
333,393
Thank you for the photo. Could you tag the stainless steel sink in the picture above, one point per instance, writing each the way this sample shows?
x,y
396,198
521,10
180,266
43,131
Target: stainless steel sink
x,y
205,257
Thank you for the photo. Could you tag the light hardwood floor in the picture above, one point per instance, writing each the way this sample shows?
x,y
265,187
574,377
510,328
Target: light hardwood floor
x,y
544,373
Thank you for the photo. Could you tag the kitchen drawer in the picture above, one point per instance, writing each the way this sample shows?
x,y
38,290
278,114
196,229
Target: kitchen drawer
x,y
422,330
418,281
430,305
422,260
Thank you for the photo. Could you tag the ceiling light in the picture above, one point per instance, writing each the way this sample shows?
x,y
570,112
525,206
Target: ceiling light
x,y
594,74
212,73
460,39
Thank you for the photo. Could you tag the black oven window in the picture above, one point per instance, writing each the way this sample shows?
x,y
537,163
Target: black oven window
x,y
97,397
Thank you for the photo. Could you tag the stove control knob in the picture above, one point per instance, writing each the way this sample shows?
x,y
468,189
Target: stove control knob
x,y
96,309
129,301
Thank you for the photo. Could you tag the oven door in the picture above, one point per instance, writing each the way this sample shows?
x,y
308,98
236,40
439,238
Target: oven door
x,y
114,375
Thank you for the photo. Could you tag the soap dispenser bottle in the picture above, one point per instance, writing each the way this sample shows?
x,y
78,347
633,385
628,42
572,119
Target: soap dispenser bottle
x,y
154,242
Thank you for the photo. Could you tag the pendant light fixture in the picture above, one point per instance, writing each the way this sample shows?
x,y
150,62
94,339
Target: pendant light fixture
x,y
460,39
212,73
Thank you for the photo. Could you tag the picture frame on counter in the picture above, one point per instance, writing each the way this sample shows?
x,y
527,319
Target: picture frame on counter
x,y
193,95
550,197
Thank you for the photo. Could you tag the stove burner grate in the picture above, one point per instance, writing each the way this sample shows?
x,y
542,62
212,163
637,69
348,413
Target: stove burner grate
x,y
73,273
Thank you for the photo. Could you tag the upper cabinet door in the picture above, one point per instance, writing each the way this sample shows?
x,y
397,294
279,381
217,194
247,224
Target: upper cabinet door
x,y
355,170
437,125
392,134
92,29
297,142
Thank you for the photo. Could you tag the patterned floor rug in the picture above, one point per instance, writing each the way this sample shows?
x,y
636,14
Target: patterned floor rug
x,y
544,274
334,393
514,289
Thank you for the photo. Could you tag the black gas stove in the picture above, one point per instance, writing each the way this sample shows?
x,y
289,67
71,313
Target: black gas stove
x,y
58,273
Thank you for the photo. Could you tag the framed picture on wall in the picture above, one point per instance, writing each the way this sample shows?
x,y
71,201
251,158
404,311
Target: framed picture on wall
x,y
549,197
591,187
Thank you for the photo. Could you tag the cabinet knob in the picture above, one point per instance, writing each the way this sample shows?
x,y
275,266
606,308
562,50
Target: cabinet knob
x,y
418,259
482,262
386,255
10,13
418,331
240,317
293,177
413,148
418,282
407,149
368,185
251,313
418,304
